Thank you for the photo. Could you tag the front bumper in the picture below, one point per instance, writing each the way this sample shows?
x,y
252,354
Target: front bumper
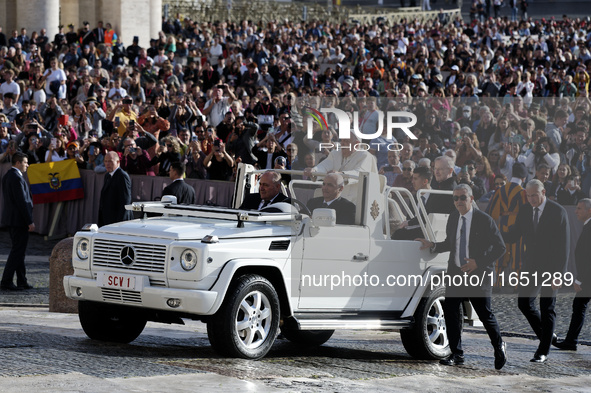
x,y
192,301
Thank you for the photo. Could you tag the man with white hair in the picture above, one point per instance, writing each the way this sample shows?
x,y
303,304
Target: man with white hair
x,y
543,225
332,188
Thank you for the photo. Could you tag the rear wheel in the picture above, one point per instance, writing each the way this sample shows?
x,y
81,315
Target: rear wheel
x,y
428,337
106,322
247,323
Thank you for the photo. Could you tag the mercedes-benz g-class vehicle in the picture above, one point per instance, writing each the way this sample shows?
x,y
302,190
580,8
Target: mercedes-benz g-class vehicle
x,y
250,275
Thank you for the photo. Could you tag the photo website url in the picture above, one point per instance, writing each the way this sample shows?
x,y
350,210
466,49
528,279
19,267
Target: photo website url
x,y
343,280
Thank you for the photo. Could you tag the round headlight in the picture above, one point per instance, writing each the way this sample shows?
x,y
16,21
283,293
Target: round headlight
x,y
83,248
188,259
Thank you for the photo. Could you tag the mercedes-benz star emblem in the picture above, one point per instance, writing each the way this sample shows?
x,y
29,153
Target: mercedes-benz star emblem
x,y
127,255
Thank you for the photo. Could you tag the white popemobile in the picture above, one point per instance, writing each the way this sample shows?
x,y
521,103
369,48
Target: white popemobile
x,y
247,274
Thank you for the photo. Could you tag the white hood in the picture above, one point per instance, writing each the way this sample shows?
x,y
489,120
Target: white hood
x,y
187,228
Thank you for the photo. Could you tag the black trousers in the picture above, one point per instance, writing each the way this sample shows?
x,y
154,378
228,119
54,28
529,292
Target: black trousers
x,y
577,319
19,237
542,321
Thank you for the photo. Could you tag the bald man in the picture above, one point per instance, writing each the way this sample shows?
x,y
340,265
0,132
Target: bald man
x,y
116,193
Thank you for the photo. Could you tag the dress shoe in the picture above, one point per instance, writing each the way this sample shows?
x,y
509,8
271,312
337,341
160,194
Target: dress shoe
x,y
554,339
566,346
453,360
25,286
9,287
539,358
501,356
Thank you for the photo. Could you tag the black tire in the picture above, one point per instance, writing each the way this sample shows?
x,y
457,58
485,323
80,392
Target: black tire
x,y
306,338
427,339
106,322
232,332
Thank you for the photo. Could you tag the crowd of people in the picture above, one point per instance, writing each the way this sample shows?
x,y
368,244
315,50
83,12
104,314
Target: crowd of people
x,y
487,93
499,102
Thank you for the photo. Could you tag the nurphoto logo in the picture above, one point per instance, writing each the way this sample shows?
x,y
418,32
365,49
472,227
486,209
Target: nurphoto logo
x,y
394,120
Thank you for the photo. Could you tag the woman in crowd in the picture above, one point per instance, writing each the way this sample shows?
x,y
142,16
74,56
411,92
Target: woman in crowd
x,y
560,179
168,152
485,173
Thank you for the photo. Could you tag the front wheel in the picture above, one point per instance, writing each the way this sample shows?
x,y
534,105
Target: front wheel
x,y
247,323
107,322
427,339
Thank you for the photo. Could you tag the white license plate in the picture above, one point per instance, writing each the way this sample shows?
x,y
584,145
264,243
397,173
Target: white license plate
x,y
120,281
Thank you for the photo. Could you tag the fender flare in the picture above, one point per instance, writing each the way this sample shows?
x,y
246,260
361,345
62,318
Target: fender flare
x,y
420,291
226,277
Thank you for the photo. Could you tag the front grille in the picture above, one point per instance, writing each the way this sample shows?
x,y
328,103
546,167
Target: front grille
x,y
148,257
121,296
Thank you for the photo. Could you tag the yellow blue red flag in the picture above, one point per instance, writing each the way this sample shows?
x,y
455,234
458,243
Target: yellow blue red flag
x,y
55,181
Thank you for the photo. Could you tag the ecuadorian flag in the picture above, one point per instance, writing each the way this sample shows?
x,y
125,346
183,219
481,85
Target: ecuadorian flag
x,y
55,181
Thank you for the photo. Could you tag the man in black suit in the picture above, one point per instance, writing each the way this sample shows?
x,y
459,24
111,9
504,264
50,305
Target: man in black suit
x,y
18,217
474,243
582,278
184,193
543,225
421,180
269,193
332,187
116,193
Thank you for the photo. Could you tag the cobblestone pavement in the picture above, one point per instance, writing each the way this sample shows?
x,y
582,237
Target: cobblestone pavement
x,y
36,344
49,349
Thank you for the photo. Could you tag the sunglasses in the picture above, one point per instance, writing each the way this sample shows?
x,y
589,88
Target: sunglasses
x,y
407,169
500,184
470,168
460,198
169,146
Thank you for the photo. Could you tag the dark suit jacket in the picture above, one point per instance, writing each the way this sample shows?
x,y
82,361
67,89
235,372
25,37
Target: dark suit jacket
x,y
583,260
485,246
261,156
344,209
436,203
442,203
252,201
184,193
547,249
115,194
18,204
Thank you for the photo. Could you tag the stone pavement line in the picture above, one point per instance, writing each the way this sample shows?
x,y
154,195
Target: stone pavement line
x,y
35,344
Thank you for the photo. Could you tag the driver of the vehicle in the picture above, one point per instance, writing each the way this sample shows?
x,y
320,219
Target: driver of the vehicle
x,y
269,193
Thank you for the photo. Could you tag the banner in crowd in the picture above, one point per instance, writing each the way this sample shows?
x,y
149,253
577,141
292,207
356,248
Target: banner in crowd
x,y
55,182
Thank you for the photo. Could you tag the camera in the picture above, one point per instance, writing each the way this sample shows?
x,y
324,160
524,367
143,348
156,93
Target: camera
x,y
217,142
91,150
199,121
132,124
127,101
132,150
5,124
